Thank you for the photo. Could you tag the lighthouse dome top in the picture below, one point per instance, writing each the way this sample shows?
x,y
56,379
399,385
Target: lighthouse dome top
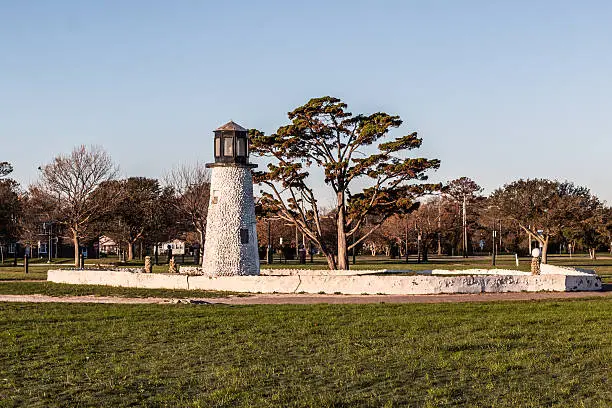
x,y
231,146
231,125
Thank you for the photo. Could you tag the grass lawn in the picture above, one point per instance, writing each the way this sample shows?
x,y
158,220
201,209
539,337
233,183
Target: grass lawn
x,y
12,274
546,353
603,265
60,289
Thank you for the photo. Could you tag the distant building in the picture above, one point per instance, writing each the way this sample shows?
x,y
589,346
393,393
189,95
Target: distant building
x,y
176,245
108,246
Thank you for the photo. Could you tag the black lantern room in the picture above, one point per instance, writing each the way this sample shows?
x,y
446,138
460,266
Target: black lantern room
x,y
231,144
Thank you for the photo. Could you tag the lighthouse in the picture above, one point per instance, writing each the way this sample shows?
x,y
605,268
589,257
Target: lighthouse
x,y
231,235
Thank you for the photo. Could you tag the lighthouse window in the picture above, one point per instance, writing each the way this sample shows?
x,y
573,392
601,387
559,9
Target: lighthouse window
x,y
241,147
228,146
217,146
244,236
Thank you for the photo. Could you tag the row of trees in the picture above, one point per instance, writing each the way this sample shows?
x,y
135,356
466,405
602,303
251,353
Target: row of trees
x,y
382,198
80,194
380,189
456,220
459,220
541,211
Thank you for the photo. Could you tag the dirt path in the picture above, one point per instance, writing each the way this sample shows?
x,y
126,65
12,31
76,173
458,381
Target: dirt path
x,y
260,299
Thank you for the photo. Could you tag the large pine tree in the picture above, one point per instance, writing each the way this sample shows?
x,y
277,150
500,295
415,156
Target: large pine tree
x,y
352,150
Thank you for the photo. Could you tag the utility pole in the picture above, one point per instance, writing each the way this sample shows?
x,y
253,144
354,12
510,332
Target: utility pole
x,y
406,242
419,247
494,243
49,226
269,254
465,239
297,243
439,226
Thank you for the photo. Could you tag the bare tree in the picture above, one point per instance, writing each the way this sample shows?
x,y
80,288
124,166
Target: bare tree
x,y
463,190
191,186
68,185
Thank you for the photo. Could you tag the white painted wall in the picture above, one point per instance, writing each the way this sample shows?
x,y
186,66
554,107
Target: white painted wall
x,y
345,284
116,278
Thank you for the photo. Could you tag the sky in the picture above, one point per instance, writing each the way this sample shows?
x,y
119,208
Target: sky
x,y
498,90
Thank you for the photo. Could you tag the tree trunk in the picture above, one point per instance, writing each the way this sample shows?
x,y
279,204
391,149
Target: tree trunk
x,y
201,242
342,249
75,241
331,262
130,251
545,251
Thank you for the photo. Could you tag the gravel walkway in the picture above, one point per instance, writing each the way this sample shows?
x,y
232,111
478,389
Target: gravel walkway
x,y
260,299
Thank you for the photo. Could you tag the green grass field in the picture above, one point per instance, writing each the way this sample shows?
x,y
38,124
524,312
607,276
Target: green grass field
x,y
59,289
510,354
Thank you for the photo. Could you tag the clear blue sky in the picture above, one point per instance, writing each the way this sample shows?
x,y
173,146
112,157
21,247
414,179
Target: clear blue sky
x,y
498,90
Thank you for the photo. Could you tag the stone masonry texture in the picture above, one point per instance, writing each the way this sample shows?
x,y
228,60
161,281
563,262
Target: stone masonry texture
x,y
231,209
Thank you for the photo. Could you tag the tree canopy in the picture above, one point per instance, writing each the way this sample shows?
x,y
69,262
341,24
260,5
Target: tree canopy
x,y
544,208
348,148
140,210
190,185
67,189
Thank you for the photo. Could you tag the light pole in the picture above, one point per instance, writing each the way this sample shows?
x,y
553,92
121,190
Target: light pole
x,y
354,259
48,229
465,238
269,255
406,241
494,233
494,243
49,249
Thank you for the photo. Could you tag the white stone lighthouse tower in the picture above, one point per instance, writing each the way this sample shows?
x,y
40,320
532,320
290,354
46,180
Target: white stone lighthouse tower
x,y
231,236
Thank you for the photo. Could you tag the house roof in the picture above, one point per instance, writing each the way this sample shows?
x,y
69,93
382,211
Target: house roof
x,y
231,125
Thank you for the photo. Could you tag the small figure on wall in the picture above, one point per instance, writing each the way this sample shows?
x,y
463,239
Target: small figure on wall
x,y
535,261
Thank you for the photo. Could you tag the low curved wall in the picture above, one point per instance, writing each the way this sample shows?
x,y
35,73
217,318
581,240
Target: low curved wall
x,y
118,278
345,284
